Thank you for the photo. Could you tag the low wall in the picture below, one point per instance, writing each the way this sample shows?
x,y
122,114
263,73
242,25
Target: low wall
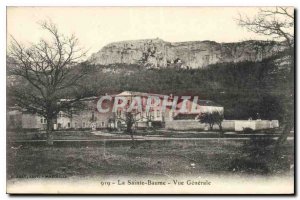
x,y
184,125
233,125
263,125
275,123
228,125
239,125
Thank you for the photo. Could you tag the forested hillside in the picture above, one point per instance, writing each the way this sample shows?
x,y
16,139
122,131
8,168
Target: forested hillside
x,y
245,89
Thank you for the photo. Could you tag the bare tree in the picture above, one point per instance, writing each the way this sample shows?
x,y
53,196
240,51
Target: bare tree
x,y
49,73
278,23
130,118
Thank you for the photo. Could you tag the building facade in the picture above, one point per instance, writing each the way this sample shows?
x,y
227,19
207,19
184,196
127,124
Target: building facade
x,y
89,117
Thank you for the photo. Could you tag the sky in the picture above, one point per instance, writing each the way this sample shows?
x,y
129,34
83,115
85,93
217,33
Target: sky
x,y
96,27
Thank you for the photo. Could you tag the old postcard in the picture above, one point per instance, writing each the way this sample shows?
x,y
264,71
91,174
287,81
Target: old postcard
x,y
150,100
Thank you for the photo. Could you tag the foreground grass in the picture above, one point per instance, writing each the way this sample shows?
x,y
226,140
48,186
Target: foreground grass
x,y
163,158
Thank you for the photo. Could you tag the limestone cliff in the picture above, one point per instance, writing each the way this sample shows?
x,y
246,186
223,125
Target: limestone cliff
x,y
156,53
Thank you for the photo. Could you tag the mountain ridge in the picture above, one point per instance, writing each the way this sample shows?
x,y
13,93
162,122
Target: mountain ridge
x,y
157,53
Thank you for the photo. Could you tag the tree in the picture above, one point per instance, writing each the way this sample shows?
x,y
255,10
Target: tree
x,y
218,118
206,118
212,118
278,23
50,72
130,118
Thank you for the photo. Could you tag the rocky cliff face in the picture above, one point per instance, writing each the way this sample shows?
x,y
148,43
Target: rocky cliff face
x,y
156,53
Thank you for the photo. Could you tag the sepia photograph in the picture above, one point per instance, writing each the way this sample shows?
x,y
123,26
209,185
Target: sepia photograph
x,y
150,100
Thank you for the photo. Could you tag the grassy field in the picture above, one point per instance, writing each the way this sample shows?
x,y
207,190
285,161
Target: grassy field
x,y
163,158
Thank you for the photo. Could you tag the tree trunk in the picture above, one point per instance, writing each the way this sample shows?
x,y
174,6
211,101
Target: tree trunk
x,y
132,139
49,139
289,111
221,130
289,120
285,133
129,131
211,126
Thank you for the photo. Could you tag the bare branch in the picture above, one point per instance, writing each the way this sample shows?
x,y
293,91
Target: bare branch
x,y
278,23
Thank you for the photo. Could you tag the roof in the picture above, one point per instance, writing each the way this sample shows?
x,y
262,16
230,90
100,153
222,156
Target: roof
x,y
11,108
183,116
130,93
82,99
89,98
208,103
144,94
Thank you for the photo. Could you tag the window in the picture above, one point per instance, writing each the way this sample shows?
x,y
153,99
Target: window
x,y
69,125
43,120
83,125
93,116
158,113
119,113
102,124
206,58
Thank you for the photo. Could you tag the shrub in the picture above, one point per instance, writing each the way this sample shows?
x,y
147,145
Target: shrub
x,y
247,130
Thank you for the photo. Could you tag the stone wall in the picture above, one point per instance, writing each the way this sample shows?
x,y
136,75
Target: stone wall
x,y
31,121
88,118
